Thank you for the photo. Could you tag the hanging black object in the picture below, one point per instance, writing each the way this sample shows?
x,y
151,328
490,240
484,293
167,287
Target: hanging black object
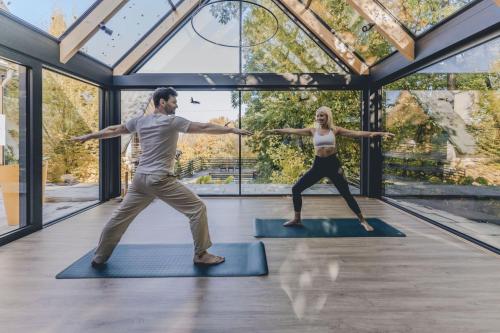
x,y
105,29
367,27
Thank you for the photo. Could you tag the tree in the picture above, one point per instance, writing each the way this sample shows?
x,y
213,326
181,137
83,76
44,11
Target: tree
x,y
70,108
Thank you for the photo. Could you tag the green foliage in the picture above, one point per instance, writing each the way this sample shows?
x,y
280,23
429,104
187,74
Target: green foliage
x,y
468,180
290,164
434,180
229,180
70,108
419,15
481,180
207,179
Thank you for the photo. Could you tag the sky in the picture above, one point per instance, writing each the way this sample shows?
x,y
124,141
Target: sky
x,y
39,12
213,104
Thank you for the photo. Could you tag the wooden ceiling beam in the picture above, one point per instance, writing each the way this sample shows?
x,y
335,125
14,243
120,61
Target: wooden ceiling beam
x,y
83,31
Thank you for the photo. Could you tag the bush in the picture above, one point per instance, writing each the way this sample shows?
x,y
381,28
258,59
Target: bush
x,y
466,180
482,180
229,180
434,180
207,179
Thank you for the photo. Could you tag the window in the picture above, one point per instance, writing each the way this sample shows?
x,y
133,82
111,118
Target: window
x,y
445,159
12,146
70,108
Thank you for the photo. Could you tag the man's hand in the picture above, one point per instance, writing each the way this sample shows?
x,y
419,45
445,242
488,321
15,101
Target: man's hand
x,y
241,131
81,138
387,135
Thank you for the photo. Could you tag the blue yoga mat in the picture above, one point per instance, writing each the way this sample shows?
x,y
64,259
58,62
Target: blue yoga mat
x,y
324,228
171,260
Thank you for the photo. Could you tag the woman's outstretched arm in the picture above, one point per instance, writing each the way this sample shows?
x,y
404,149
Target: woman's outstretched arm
x,y
296,131
361,134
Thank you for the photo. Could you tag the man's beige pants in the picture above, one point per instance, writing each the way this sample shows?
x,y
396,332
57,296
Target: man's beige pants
x,y
142,191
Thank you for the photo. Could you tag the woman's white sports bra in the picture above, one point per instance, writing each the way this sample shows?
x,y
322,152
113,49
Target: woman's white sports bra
x,y
327,140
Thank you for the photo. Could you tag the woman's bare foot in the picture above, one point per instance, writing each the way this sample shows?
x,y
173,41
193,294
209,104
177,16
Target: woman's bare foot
x,y
365,225
292,223
206,258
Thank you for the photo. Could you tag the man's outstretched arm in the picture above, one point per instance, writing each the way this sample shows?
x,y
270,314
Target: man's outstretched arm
x,y
208,128
106,133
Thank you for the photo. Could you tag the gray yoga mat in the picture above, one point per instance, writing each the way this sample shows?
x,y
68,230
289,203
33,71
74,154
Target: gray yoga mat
x,y
343,227
171,260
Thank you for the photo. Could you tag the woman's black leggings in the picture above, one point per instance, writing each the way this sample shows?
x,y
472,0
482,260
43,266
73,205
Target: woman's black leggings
x,y
324,167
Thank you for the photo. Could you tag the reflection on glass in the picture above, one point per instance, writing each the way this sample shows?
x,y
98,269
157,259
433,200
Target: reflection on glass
x,y
447,124
280,160
70,108
12,146
52,16
289,51
348,24
419,16
125,28
208,164
222,16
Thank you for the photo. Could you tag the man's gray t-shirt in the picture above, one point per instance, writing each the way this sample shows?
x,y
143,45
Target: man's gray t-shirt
x,y
158,135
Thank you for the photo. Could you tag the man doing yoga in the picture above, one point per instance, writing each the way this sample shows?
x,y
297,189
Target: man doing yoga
x,y
154,177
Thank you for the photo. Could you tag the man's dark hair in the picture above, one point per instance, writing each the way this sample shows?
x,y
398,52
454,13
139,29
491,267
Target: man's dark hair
x,y
164,93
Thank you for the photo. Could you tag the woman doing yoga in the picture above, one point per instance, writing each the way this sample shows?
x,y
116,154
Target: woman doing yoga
x,y
326,162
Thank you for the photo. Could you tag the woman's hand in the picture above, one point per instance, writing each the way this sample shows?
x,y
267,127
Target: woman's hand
x,y
387,135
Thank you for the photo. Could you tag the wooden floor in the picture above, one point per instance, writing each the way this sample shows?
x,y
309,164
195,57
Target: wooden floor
x,y
429,281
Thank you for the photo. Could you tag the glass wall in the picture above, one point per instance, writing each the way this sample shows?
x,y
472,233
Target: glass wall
x,y
12,146
133,104
276,162
210,164
445,159
70,169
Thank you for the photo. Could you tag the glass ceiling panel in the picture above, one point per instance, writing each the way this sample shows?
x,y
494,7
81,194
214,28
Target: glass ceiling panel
x,y
51,16
484,58
187,52
420,15
348,25
289,51
125,28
